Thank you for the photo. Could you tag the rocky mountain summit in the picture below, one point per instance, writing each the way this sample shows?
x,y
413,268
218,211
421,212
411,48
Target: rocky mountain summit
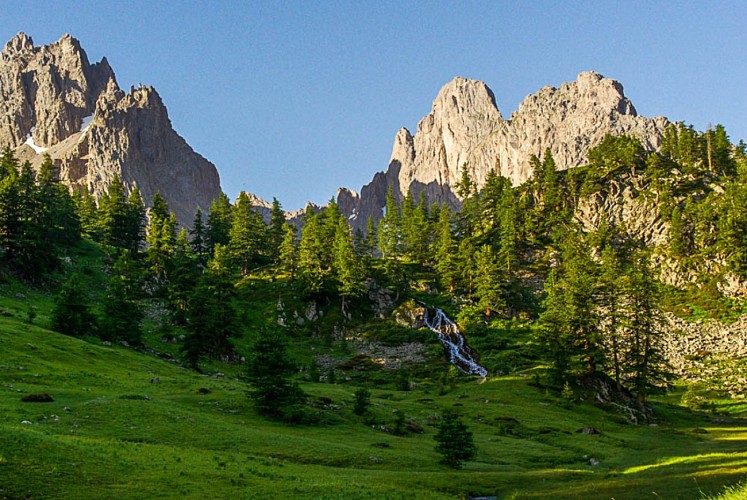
x,y
53,101
465,127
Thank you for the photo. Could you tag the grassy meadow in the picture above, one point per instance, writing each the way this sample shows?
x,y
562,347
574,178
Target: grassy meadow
x,y
113,431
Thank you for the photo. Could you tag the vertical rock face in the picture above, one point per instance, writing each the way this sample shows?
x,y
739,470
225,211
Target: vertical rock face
x,y
465,127
53,101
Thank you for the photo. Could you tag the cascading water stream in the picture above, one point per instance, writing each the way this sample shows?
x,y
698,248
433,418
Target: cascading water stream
x,y
452,339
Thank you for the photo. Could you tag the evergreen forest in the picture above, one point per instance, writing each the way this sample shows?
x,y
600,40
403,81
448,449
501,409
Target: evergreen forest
x,y
249,355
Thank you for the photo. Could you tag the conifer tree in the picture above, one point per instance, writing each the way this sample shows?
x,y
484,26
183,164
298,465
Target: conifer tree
x,y
312,265
469,216
212,321
114,216
245,236
135,234
489,282
71,314
390,228
348,269
408,228
454,441
219,222
643,361
269,369
161,241
85,207
183,277
446,259
289,251
276,231
198,238
122,314
8,164
368,243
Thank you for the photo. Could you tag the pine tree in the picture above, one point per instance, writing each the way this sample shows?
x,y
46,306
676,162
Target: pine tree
x,y
269,369
390,228
122,314
71,314
135,233
469,217
219,222
313,265
446,259
161,240
212,321
368,243
85,207
455,442
245,237
643,362
348,269
183,277
289,251
113,215
198,240
489,282
276,231
158,207
408,228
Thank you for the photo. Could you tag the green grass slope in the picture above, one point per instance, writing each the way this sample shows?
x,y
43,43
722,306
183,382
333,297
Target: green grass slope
x,y
112,431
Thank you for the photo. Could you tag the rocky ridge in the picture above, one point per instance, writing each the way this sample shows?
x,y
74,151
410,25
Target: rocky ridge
x,y
466,127
53,101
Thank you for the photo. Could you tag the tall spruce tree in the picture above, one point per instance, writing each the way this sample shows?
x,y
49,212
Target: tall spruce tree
x,y
289,252
349,269
390,228
219,222
71,314
270,370
276,231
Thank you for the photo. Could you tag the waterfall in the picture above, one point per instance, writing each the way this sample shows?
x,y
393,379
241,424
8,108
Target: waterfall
x,y
460,354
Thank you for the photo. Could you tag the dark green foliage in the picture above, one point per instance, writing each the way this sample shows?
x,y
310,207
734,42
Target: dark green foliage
x,y
71,314
184,273
198,238
349,271
362,401
161,240
276,231
390,228
270,371
211,318
122,314
288,253
247,237
454,441
37,218
219,222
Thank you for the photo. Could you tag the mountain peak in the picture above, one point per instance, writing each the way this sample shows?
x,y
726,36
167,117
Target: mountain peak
x,y
462,94
18,43
465,127
60,104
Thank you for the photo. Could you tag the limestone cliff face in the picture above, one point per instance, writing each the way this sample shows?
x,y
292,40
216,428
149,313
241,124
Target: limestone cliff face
x,y
465,127
53,101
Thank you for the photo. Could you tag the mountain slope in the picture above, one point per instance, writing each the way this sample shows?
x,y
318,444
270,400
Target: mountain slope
x,y
465,127
53,101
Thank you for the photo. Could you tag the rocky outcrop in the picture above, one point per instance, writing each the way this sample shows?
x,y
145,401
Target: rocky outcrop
x,y
707,351
53,101
465,127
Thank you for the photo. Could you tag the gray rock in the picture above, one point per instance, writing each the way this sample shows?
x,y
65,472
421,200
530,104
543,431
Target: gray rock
x,y
46,94
465,127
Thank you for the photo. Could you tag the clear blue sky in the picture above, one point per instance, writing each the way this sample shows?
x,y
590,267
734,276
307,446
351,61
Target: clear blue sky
x,y
293,99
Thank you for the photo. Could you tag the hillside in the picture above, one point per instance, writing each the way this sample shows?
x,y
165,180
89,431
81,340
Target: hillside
x,y
127,423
